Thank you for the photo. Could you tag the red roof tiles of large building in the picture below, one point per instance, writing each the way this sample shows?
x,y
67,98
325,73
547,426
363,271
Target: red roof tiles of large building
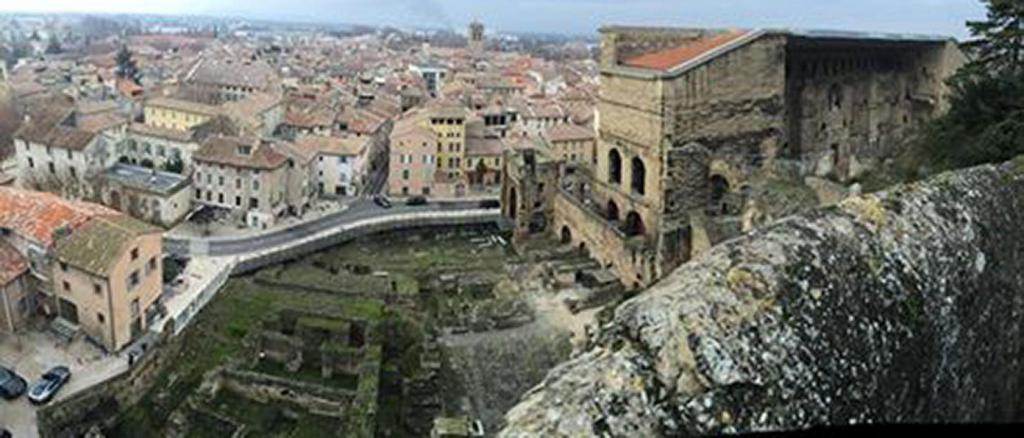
x,y
37,215
240,152
667,59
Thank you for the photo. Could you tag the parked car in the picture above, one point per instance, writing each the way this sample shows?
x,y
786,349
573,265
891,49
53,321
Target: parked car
x,y
4,433
47,386
416,200
382,201
12,385
490,203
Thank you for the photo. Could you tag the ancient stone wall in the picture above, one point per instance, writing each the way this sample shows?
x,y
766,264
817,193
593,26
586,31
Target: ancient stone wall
x,y
618,43
99,405
852,106
903,306
631,258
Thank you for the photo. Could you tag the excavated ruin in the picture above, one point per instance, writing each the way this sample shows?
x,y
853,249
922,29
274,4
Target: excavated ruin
x,y
902,306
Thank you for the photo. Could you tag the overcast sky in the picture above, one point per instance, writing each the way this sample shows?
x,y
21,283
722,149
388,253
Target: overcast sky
x,y
944,17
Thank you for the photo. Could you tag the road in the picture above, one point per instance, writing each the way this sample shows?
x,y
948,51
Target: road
x,y
358,210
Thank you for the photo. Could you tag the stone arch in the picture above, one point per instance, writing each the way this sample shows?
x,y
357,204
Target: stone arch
x,y
719,187
634,224
614,166
638,177
115,200
835,97
513,203
566,236
612,211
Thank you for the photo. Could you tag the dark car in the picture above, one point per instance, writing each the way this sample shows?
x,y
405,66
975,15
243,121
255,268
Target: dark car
x,y
416,200
12,385
4,433
382,201
47,386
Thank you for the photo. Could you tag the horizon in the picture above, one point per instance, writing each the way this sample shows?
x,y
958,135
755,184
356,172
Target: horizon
x,y
933,17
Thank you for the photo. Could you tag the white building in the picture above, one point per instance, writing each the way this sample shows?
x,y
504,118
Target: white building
x,y
341,163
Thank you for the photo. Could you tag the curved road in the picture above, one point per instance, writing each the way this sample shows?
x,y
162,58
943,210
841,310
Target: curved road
x,y
361,209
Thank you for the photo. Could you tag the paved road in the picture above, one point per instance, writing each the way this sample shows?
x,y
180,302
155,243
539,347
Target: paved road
x,y
361,209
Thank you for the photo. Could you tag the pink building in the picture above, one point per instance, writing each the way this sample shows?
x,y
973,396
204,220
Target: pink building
x,y
413,158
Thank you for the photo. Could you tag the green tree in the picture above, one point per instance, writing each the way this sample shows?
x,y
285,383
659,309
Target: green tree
x,y
986,118
126,66
53,47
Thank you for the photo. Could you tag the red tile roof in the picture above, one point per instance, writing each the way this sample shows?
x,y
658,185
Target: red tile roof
x,y
666,59
37,215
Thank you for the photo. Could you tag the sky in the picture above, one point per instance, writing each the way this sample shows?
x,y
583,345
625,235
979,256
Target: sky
x,y
940,17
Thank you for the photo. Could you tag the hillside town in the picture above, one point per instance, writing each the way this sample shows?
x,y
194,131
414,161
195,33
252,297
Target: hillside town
x,y
214,226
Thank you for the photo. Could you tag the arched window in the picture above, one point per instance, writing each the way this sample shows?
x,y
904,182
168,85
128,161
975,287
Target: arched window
x,y
719,187
639,175
634,224
614,167
613,211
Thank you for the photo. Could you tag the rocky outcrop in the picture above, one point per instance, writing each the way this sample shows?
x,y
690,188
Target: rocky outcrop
x,y
902,306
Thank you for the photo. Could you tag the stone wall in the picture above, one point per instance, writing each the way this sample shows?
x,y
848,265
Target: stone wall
x,y
101,404
903,306
851,106
630,258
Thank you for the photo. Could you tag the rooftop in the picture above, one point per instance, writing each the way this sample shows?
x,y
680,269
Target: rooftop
x,y
669,58
182,105
226,151
149,180
37,215
97,245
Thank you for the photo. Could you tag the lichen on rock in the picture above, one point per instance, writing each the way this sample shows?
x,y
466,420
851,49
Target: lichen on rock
x,y
903,306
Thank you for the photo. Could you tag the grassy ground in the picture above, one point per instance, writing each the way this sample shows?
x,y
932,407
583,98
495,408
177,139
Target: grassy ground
x,y
216,336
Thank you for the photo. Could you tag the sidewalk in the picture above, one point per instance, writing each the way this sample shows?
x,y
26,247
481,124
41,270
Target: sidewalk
x,y
321,208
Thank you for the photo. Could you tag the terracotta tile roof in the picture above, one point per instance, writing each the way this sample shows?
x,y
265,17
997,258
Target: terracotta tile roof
x,y
666,59
38,215
182,105
12,264
225,150
350,146
97,245
484,147
568,132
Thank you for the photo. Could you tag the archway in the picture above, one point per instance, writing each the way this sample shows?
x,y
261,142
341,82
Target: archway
x,y
614,167
634,224
639,175
566,235
115,200
613,211
513,203
719,187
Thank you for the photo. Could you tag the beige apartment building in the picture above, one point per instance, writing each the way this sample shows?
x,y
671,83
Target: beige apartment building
x,y
249,176
108,277
95,268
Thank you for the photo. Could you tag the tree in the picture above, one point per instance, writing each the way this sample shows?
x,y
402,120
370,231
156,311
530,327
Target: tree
x,y
1000,44
126,66
985,122
53,47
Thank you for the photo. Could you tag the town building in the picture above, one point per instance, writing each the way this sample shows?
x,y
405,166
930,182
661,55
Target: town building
x,y
342,164
248,176
476,39
414,158
96,270
177,114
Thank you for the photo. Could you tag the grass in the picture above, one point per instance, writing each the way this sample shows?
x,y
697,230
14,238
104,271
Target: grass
x,y
309,373
216,336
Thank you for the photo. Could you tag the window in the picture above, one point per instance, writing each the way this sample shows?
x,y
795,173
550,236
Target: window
x,y
220,180
100,318
405,174
255,184
254,203
53,169
97,289
220,198
63,267
639,175
74,173
135,254
133,280
238,201
31,164
67,287
614,167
